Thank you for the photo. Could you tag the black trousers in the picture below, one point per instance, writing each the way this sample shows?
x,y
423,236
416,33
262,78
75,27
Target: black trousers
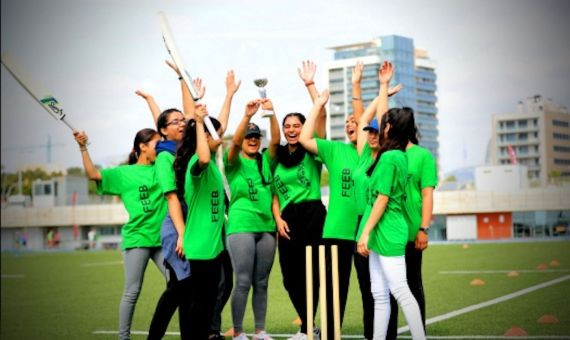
x,y
363,274
414,276
176,294
225,286
345,252
203,295
305,221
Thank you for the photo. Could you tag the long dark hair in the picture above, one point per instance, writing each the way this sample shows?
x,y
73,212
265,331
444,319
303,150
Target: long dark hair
x,y
185,151
286,158
397,139
163,120
143,136
411,130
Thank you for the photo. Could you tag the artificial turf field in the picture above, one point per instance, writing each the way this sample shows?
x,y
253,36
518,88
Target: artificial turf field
x,y
72,295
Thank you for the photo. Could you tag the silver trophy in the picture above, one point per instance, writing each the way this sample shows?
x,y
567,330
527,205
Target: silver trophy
x,y
260,83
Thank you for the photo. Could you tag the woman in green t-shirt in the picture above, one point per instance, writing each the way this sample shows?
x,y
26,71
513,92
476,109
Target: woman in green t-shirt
x,y
297,207
200,182
418,205
251,228
385,231
137,185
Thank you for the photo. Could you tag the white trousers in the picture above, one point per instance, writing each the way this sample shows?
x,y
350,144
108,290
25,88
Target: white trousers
x,y
388,274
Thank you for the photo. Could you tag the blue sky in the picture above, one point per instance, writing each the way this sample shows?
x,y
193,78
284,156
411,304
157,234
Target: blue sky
x,y
93,55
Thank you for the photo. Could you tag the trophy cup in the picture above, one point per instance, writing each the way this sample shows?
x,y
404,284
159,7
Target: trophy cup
x,y
260,83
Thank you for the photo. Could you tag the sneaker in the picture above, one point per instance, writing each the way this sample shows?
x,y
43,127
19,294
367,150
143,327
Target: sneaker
x,y
316,333
261,336
241,336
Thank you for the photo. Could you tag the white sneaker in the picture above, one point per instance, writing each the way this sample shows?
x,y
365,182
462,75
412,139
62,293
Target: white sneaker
x,y
241,336
316,333
261,336
298,336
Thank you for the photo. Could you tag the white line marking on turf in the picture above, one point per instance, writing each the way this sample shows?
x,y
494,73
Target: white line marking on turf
x,y
503,271
489,303
13,276
109,263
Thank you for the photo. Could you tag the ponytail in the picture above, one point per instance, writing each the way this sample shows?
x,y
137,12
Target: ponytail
x,y
142,137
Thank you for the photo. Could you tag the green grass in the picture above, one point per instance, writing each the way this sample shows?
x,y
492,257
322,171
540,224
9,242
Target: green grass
x,y
58,298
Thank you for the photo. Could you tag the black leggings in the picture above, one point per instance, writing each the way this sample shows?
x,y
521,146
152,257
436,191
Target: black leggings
x,y
176,294
414,276
305,221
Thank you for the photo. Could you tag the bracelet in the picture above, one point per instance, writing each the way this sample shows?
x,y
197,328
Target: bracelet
x,y
310,83
180,78
356,98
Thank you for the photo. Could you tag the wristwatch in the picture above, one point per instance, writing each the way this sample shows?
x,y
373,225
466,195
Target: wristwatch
x,y
425,230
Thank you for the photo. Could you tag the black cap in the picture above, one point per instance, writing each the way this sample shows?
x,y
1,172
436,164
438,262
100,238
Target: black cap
x,y
252,130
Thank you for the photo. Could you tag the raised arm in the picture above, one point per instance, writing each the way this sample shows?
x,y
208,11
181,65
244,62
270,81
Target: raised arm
x,y
375,215
231,88
154,109
307,132
202,147
250,109
307,75
357,104
266,104
188,103
385,74
90,170
365,118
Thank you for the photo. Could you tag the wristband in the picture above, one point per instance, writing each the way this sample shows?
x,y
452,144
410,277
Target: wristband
x,y
82,148
356,98
425,230
179,78
310,83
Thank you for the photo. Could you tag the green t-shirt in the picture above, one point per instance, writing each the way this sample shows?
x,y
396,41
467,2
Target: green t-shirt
x,y
250,206
138,187
390,235
165,171
204,196
341,160
422,173
361,180
298,183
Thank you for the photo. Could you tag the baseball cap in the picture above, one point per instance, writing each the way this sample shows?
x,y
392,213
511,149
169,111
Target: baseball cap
x,y
372,126
252,130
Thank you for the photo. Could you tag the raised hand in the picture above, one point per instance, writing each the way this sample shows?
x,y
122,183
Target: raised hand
x,y
231,85
323,98
81,138
201,112
200,88
266,104
385,72
143,95
307,73
173,66
252,107
357,72
394,89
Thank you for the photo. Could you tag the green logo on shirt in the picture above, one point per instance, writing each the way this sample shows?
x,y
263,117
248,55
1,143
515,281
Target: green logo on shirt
x,y
347,182
301,175
144,197
281,188
215,203
252,191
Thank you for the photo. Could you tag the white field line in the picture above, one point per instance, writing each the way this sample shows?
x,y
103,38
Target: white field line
x,y
503,271
489,302
13,276
450,337
95,264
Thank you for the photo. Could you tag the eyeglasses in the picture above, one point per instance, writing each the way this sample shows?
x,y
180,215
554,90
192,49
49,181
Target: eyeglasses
x,y
177,122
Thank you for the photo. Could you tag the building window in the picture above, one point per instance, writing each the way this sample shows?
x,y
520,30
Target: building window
x,y
561,161
559,148
510,124
522,123
523,149
523,136
510,137
562,136
560,123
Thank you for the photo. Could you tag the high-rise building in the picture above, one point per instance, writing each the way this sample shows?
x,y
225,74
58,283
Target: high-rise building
x,y
413,69
537,135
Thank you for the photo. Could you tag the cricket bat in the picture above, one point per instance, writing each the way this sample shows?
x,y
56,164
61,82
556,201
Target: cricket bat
x,y
36,89
177,59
